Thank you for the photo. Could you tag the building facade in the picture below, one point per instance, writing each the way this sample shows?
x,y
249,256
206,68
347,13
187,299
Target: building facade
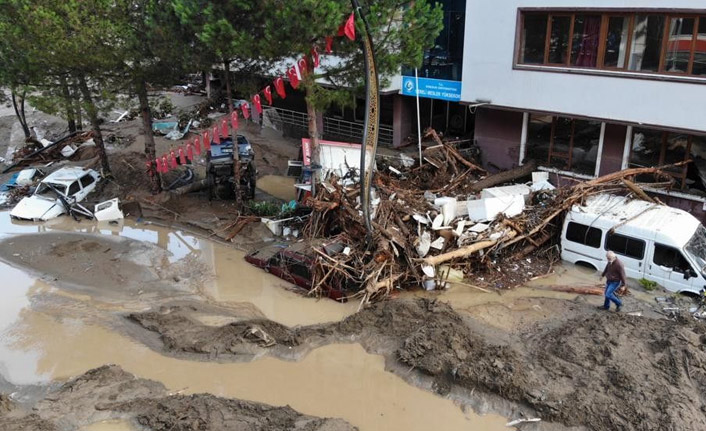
x,y
586,88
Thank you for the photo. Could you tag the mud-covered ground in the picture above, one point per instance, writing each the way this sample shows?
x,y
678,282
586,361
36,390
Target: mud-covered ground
x,y
109,392
582,367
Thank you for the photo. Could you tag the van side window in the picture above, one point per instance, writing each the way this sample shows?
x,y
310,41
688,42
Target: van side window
x,y
582,234
630,247
87,180
74,188
670,258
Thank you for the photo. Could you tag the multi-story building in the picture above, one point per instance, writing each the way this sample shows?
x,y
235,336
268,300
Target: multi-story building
x,y
586,88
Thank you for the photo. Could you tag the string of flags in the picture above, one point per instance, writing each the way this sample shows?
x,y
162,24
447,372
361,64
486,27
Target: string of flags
x,y
219,130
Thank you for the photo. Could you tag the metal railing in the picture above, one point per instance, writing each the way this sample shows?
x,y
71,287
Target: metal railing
x,y
334,129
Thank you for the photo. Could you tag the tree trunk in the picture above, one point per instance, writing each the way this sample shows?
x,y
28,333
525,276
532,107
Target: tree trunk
x,y
314,132
76,97
68,105
92,112
19,107
505,176
234,135
150,147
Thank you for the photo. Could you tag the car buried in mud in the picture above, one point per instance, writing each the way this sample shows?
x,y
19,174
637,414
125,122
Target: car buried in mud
x,y
294,263
56,194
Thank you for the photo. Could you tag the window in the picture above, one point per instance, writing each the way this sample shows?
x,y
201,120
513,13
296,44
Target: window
x,y
74,188
616,42
671,258
656,148
637,42
300,270
630,247
564,143
533,38
87,180
582,234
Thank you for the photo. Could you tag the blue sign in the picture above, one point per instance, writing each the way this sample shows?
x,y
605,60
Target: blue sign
x,y
432,88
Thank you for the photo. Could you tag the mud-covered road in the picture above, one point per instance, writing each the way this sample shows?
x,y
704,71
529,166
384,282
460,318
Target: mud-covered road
x,y
199,340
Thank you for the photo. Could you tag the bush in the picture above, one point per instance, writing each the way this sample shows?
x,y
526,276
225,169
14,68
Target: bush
x,y
648,285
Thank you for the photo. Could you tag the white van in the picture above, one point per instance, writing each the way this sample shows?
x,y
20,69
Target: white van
x,y
655,242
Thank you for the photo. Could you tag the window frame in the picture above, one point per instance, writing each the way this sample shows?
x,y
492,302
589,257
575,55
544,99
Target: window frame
x,y
600,68
677,251
586,235
679,176
629,238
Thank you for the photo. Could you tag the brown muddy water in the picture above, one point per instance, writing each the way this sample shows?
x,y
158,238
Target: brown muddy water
x,y
51,330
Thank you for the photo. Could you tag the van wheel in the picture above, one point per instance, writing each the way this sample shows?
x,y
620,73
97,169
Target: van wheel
x,y
586,265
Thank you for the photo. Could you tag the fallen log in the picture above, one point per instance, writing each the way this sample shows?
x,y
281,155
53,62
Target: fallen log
x,y
505,176
466,251
638,191
193,187
577,289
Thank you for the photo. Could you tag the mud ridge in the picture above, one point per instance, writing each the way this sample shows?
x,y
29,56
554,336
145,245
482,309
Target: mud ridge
x,y
109,392
585,368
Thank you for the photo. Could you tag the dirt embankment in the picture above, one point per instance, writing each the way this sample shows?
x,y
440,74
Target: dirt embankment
x,y
109,392
585,368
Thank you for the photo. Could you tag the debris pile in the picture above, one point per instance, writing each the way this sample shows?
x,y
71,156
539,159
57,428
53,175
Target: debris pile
x,y
443,222
74,146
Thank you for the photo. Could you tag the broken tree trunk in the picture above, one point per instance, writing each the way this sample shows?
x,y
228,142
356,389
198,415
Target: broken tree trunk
x,y
638,191
92,112
150,147
466,251
18,104
68,105
505,176
234,137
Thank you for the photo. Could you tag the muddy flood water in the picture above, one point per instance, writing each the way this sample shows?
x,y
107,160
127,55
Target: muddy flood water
x,y
55,323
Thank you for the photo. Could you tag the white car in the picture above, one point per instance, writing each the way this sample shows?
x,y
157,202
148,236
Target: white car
x,y
65,186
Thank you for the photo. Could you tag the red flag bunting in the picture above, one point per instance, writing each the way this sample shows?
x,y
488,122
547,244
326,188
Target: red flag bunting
x,y
190,152
165,164
246,110
258,104
197,144
182,156
293,78
214,132
206,141
224,128
172,159
268,94
158,165
234,120
329,44
303,67
349,28
315,57
279,87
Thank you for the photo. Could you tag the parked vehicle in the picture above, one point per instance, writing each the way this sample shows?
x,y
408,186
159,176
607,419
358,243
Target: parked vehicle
x,y
56,193
656,242
220,174
294,264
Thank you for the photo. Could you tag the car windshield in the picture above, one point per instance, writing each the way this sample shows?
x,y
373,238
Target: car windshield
x,y
696,248
44,190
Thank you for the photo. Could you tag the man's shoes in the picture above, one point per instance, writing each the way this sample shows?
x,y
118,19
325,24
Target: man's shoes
x,y
600,307
620,307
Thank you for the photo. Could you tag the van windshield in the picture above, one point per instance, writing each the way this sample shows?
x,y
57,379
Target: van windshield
x,y
696,248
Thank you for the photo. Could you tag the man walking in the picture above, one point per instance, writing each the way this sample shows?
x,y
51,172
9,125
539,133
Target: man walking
x,y
614,273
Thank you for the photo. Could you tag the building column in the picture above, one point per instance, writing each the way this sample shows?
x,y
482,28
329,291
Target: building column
x,y
403,119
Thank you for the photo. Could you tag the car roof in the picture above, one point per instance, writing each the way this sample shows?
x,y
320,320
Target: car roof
x,y
66,176
661,223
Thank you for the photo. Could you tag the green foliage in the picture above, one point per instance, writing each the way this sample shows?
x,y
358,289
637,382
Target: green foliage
x,y
648,285
263,209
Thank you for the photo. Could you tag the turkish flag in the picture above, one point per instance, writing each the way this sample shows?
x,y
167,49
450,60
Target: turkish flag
x,y
197,145
315,57
172,159
268,94
224,128
158,165
182,156
303,67
279,88
206,141
165,164
234,120
189,151
258,104
329,44
246,110
349,27
214,132
293,77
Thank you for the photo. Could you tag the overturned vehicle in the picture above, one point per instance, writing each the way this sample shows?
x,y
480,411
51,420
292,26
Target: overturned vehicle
x,y
220,169
57,194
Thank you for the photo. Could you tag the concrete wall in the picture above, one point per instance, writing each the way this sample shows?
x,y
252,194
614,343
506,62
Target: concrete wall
x,y
488,72
498,134
613,147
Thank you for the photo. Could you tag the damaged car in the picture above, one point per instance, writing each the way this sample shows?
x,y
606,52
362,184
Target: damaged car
x,y
58,194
